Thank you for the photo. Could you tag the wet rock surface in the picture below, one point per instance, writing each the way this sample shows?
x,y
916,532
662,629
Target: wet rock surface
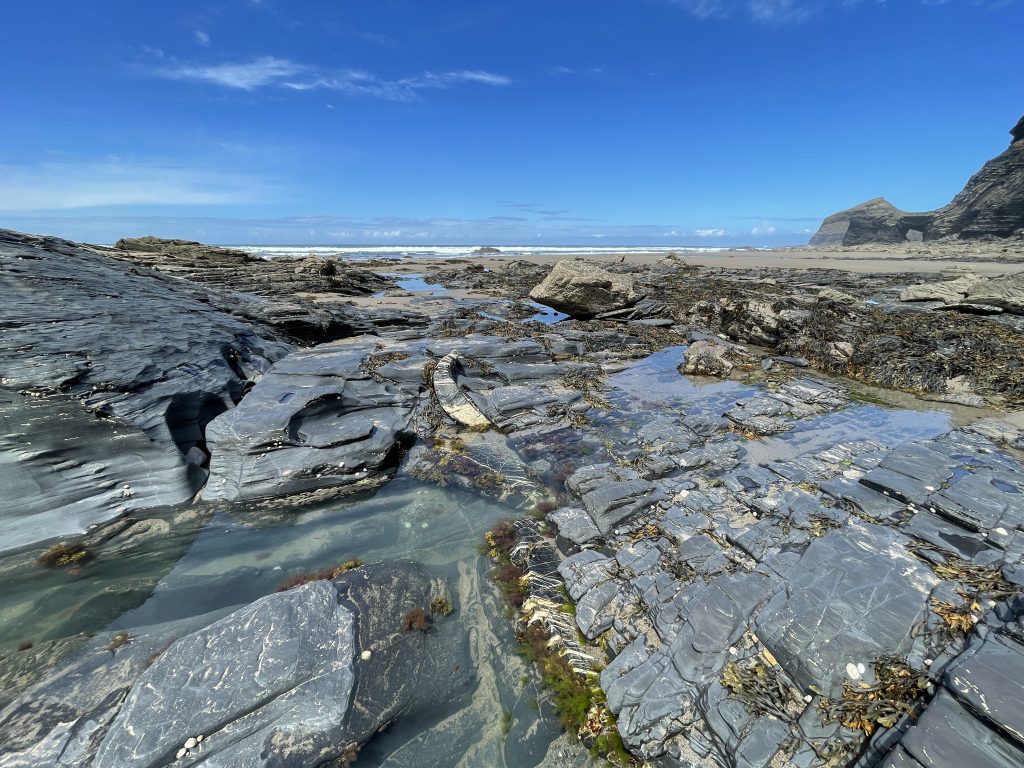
x,y
757,571
92,338
285,680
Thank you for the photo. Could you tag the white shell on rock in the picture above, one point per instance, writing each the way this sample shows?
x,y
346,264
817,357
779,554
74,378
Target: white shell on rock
x,y
365,655
180,754
861,668
191,744
852,671
199,738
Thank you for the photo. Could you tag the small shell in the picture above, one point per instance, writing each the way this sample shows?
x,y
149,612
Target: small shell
x,y
199,738
191,744
852,671
861,668
365,655
181,753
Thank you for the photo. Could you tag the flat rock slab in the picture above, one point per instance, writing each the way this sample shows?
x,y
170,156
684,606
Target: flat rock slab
x,y
283,681
252,683
855,594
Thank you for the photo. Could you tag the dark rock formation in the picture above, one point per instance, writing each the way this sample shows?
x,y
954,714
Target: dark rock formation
x,y
990,205
239,271
302,677
303,298
87,337
876,221
582,289
317,421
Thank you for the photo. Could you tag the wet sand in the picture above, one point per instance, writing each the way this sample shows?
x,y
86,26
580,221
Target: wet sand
x,y
982,259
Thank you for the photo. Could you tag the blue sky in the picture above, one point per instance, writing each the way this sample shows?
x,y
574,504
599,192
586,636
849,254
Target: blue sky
x,y
667,122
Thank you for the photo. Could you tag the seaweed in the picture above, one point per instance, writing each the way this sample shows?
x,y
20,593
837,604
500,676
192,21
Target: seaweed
x,y
416,620
441,606
325,574
899,690
758,683
62,555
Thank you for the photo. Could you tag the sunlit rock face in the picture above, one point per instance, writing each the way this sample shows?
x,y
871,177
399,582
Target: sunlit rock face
x,y
991,204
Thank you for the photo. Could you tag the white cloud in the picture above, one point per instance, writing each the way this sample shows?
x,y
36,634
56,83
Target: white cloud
x,y
709,232
70,184
247,76
764,228
358,82
268,71
202,38
378,234
769,12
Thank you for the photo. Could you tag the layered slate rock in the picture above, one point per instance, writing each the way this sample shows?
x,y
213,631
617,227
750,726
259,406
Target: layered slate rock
x,y
874,221
754,596
297,678
973,294
316,422
991,204
582,289
975,718
93,337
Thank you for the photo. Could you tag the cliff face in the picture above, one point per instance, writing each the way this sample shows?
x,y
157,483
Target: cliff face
x,y
990,205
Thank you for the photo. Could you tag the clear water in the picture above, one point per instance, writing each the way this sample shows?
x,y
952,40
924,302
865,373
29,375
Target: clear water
x,y
413,284
219,558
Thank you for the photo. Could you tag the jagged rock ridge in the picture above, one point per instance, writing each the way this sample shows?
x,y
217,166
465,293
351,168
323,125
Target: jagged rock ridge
x,y
990,205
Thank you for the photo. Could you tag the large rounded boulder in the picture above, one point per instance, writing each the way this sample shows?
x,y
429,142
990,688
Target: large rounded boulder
x,y
582,289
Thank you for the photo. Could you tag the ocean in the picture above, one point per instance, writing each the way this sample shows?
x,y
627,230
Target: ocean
x,y
358,252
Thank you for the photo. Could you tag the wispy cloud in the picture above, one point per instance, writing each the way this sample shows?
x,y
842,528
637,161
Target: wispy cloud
x,y
783,12
380,229
272,72
66,184
202,38
764,228
246,76
709,232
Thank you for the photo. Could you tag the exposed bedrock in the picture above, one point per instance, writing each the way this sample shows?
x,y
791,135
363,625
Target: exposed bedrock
x,y
582,289
751,608
316,422
302,299
88,337
991,204
302,677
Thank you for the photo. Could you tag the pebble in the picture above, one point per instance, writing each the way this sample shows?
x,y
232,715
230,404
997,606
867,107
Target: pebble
x,y
200,738
365,655
181,753
191,744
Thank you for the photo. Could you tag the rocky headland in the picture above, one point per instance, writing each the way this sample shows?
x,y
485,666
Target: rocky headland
x,y
991,205
740,515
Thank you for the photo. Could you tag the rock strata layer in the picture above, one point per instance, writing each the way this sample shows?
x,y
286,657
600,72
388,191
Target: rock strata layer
x,y
991,204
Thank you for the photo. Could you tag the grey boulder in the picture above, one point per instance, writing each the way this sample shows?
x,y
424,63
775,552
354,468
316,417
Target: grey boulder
x,y
582,289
